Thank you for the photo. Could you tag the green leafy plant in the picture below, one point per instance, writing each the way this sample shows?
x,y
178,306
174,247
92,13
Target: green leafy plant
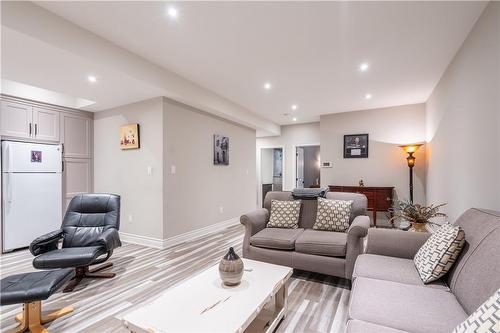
x,y
415,213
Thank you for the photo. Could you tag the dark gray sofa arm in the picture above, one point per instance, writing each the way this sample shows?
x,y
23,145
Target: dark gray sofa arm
x,y
355,236
254,222
109,239
46,243
395,243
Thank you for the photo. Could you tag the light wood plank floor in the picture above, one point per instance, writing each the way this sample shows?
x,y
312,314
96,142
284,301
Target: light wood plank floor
x,y
317,303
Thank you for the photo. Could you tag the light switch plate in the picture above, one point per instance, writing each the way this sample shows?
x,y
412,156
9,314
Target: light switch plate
x,y
172,169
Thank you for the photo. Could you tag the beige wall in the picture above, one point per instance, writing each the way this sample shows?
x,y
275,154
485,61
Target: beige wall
x,y
463,123
198,189
386,164
166,204
291,136
125,172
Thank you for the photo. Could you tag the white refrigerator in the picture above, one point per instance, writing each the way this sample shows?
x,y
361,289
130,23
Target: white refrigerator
x,y
31,192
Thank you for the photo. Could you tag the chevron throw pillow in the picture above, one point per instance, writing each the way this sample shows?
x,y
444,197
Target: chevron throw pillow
x,y
284,214
486,319
333,215
435,258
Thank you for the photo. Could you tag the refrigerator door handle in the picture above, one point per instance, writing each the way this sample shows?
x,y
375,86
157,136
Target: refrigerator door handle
x,y
30,129
9,187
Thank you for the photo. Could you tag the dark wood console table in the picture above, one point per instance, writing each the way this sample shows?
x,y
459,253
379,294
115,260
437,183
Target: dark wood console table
x,y
379,198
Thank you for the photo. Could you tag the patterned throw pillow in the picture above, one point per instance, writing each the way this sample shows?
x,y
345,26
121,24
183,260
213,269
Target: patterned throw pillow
x,y
437,255
333,215
486,319
284,214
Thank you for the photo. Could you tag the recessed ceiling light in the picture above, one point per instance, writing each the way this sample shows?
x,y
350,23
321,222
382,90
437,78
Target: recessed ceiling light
x,y
92,79
294,118
172,12
267,86
368,96
364,67
295,107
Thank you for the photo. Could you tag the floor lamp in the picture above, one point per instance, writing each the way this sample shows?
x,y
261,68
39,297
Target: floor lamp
x,y
411,149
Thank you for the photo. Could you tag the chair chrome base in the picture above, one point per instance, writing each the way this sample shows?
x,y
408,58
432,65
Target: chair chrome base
x,y
86,272
32,319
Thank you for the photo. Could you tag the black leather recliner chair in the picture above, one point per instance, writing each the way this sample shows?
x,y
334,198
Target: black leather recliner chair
x,y
89,233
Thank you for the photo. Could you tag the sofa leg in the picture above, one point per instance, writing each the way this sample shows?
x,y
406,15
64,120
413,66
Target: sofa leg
x,y
31,319
85,272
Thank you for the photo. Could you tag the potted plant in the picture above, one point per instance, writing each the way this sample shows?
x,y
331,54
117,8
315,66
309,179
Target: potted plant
x,y
418,215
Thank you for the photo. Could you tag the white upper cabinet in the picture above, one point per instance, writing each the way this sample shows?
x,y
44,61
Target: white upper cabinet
x,y
16,120
76,135
46,124
21,121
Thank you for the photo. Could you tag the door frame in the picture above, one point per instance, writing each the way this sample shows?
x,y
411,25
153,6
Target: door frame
x,y
294,159
259,175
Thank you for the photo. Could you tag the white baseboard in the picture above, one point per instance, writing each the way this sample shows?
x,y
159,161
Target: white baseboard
x,y
175,240
141,240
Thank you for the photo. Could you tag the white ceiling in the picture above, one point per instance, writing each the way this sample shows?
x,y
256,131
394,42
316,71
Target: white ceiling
x,y
309,51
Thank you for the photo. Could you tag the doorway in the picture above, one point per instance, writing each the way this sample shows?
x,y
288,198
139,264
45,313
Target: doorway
x,y
271,171
307,166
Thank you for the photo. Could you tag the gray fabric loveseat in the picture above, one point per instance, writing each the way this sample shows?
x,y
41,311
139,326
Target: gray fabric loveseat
x,y
326,252
388,296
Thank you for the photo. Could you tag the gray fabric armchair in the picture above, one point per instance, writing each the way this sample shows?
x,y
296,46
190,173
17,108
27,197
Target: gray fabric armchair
x,y
325,252
89,234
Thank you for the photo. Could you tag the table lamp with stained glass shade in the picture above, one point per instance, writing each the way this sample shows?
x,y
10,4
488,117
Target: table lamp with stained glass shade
x,y
411,149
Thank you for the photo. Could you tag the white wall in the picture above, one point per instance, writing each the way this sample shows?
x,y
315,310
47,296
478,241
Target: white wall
x,y
266,166
291,136
463,123
198,189
124,172
166,204
386,163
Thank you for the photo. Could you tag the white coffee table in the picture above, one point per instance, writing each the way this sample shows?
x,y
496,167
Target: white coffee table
x,y
204,304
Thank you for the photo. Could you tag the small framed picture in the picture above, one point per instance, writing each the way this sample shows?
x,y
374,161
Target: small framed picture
x,y
221,150
129,136
36,156
356,146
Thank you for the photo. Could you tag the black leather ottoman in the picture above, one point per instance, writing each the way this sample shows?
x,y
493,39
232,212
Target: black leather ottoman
x,y
31,289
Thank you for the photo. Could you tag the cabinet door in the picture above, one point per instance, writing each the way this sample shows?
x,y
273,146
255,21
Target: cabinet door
x,y
76,135
77,177
16,120
46,123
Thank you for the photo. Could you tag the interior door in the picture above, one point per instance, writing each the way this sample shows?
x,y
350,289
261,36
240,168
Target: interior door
x,y
46,124
300,167
16,120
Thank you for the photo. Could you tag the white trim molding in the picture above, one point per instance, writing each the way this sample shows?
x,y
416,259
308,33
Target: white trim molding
x,y
178,239
141,240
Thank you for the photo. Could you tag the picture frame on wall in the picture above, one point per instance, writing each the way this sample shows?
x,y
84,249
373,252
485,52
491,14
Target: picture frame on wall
x,y
129,137
356,146
221,150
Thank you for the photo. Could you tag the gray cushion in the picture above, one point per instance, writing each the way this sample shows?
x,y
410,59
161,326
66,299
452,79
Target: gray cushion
x,y
391,269
326,243
405,307
358,326
276,238
473,278
309,207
